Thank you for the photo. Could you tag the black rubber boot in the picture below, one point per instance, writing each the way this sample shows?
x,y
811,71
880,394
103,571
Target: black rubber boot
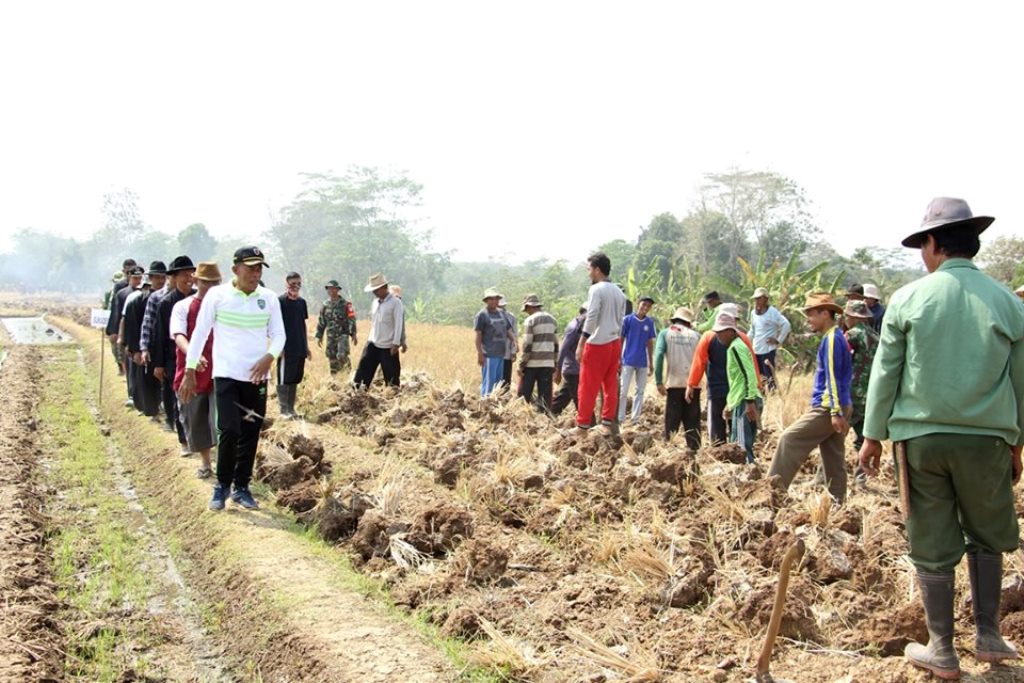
x,y
939,656
986,572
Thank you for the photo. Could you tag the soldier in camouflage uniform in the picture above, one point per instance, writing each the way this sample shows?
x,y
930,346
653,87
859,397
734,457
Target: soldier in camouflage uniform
x,y
338,320
863,342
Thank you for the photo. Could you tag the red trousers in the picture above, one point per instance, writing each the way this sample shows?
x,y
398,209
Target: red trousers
x,y
599,370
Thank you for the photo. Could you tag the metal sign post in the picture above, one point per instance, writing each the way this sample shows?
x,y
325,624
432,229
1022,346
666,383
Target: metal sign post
x,y
98,318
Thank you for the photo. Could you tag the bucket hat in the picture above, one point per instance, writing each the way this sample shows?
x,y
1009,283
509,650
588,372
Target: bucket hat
x,y
821,300
492,293
208,271
759,292
376,282
531,300
683,313
857,309
116,277
871,292
725,321
944,213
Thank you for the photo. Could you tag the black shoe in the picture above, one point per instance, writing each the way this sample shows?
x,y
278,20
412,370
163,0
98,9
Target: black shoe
x,y
220,496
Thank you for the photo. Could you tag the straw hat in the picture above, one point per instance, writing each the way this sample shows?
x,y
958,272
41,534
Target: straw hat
x,y
682,313
821,300
376,282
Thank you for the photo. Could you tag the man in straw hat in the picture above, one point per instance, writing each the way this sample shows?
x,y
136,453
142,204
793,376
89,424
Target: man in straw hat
x,y
952,402
768,330
248,335
540,351
673,356
744,401
384,343
197,415
493,333
826,424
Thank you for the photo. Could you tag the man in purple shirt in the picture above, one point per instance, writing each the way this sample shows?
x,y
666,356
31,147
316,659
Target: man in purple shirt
x,y
567,370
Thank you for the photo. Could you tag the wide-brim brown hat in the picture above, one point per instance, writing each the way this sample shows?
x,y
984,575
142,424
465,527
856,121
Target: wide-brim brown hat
x,y
208,271
944,213
376,282
821,300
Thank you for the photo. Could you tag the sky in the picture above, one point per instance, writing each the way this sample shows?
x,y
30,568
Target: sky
x,y
537,129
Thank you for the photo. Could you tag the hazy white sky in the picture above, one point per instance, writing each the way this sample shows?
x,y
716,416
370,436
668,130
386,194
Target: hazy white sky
x,y
536,128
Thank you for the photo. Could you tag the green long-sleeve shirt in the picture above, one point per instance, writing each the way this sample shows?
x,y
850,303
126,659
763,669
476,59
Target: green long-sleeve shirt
x,y
709,322
950,359
739,366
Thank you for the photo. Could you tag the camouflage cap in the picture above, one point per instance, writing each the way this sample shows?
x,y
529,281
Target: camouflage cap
x,y
332,283
857,309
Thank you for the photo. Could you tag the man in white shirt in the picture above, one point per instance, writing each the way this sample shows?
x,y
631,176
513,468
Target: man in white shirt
x,y
768,330
243,316
387,327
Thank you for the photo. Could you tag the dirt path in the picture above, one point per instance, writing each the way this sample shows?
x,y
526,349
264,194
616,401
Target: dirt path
x,y
284,604
29,639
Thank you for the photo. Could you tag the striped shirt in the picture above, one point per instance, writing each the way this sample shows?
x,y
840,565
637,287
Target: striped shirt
x,y
833,374
149,317
242,324
540,341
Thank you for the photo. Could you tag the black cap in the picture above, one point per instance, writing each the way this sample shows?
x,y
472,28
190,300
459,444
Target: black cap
x,y
137,271
332,283
180,263
711,295
855,289
251,256
157,268
645,298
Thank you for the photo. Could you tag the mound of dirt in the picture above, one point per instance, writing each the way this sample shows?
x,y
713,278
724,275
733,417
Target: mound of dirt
x,y
440,528
481,561
301,497
728,452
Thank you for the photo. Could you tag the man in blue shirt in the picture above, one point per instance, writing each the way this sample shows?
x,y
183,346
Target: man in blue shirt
x,y
638,335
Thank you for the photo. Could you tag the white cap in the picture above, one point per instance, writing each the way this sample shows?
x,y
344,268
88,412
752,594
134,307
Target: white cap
x,y
871,292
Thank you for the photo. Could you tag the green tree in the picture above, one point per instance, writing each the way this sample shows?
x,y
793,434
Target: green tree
x,y
1002,258
658,247
197,242
621,252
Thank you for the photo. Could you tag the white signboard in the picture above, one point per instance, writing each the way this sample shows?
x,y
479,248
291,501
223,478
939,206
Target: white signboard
x,y
98,318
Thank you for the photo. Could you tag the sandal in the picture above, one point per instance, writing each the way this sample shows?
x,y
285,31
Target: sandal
x,y
204,473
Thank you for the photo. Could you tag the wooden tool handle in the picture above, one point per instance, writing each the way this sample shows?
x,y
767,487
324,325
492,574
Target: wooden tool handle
x,y
794,552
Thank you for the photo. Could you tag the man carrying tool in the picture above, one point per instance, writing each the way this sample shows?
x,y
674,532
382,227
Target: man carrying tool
x,y
242,316
953,405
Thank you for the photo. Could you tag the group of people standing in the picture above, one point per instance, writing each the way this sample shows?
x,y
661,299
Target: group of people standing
x,y
204,351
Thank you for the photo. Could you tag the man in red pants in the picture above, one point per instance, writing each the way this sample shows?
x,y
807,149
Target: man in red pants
x,y
600,347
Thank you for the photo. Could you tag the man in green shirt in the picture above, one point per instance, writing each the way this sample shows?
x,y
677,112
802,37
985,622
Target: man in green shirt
x,y
743,403
953,404
712,304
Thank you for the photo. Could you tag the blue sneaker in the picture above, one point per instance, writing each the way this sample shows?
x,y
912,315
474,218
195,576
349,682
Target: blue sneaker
x,y
242,497
220,496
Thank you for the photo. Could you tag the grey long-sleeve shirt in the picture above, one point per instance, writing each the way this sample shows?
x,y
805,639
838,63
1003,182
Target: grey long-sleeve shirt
x,y
606,307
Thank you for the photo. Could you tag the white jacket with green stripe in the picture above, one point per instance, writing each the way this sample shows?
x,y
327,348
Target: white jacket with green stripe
x,y
244,326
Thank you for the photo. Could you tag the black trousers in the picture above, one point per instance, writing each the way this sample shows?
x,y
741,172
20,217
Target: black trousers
x,y
240,410
145,389
171,402
542,379
372,358
506,373
716,423
678,411
566,394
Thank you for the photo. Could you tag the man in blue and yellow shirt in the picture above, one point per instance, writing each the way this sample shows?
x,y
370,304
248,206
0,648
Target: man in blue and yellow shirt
x,y
951,402
826,424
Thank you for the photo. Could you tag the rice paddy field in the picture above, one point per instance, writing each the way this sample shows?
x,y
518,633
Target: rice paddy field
x,y
485,541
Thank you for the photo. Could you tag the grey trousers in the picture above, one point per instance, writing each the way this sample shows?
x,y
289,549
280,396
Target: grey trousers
x,y
813,429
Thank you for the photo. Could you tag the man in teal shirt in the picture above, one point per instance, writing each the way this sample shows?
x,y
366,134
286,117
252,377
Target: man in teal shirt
x,y
743,403
954,402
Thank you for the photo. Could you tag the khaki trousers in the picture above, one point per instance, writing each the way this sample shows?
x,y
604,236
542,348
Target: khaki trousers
x,y
813,429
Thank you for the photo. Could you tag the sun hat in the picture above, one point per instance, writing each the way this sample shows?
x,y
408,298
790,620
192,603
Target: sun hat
x,y
871,292
821,300
250,256
377,281
116,277
531,300
759,292
944,213
492,293
725,321
730,308
857,309
180,263
208,271
682,313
